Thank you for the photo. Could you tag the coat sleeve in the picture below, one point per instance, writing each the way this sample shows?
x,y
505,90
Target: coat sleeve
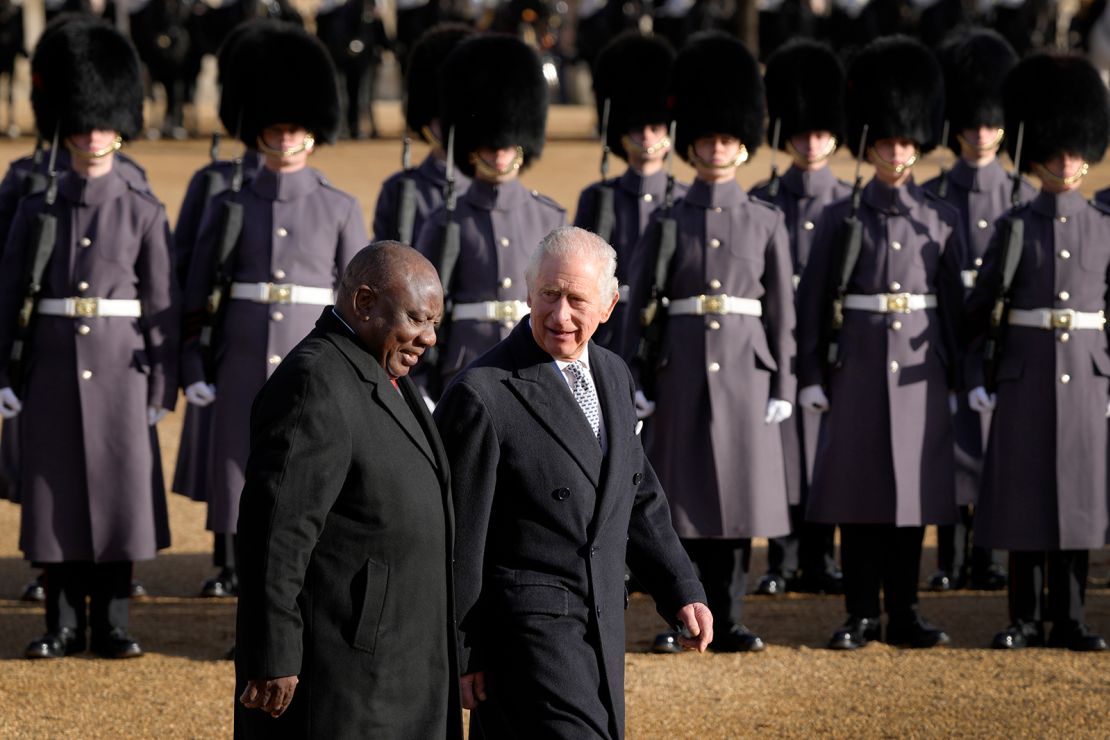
x,y
471,442
12,266
778,309
585,215
977,310
11,191
950,300
352,238
160,299
188,222
813,303
299,458
385,212
429,242
195,295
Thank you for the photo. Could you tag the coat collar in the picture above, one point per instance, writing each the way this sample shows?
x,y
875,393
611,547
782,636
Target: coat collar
x,y
720,195
94,192
1062,204
901,200
434,170
808,184
482,194
978,179
281,187
638,185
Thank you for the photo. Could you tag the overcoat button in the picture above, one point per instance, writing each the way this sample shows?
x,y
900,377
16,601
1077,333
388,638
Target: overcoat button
x,y
561,494
636,478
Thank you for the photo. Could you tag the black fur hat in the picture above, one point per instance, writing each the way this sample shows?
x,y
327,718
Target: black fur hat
x,y
805,90
633,72
975,63
717,89
292,80
1064,105
895,87
494,94
235,64
422,103
85,76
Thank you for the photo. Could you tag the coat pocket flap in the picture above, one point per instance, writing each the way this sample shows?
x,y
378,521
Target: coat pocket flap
x,y
763,357
373,605
1102,362
550,599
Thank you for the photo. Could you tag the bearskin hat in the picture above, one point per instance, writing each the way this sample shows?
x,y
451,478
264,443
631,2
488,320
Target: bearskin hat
x,y
292,80
717,89
422,83
235,65
975,64
632,72
494,95
85,76
805,90
896,88
1064,105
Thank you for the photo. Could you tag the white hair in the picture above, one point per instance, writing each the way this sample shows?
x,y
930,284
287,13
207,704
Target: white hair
x,y
568,241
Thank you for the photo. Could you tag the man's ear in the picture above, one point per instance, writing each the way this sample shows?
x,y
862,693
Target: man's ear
x,y
364,299
612,304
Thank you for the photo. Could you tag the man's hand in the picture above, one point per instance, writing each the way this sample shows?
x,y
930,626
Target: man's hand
x,y
644,407
778,411
271,695
9,404
155,415
981,401
813,398
473,688
200,393
698,621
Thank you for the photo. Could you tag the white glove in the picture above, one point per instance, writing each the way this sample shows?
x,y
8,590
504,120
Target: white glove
x,y
953,403
9,404
1108,409
644,407
981,401
812,397
200,393
778,411
155,415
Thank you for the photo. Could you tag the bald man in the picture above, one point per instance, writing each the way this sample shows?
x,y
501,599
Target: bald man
x,y
345,624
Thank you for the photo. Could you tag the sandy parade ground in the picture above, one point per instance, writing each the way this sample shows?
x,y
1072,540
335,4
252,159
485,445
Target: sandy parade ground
x,y
183,687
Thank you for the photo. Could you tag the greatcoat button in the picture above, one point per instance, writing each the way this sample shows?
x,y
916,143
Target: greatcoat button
x,y
808,226
85,241
274,359
1063,219
714,325
86,374
714,243
647,197
978,261
281,231
896,325
1065,378
894,366
82,286
717,209
636,478
83,329
561,494
1064,295
714,367
279,274
277,316
506,283
504,241
1064,337
982,223
1065,254
896,286
896,246
714,284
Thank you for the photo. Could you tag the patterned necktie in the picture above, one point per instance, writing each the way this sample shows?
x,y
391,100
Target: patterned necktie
x,y
586,396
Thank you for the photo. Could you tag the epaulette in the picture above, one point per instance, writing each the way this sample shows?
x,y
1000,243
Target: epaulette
x,y
131,163
940,203
765,203
146,194
1098,205
547,201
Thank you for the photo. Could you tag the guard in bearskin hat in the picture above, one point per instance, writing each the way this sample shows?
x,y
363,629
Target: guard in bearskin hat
x,y
88,341
720,381
975,63
409,196
805,104
1045,368
268,255
494,100
632,75
877,355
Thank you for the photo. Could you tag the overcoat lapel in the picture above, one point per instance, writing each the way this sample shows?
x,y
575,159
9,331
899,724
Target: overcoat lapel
x,y
620,423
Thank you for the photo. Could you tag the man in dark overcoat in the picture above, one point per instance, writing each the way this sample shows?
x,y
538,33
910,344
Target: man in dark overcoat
x,y
552,493
345,627
1045,491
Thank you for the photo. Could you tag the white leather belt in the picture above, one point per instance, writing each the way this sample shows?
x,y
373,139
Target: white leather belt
x,y
490,311
89,307
968,277
625,292
717,305
282,293
890,302
1056,318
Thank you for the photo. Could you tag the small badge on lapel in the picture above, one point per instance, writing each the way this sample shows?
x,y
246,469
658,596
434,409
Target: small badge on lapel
x,y
639,426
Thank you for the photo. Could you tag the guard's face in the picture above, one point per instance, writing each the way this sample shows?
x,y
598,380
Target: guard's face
x,y
1066,166
981,141
567,304
401,320
813,147
895,160
289,139
94,141
499,162
718,149
646,137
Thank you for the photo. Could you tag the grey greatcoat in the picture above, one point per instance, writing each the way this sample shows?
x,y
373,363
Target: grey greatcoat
x,y
544,523
635,198
86,447
499,228
802,197
430,179
885,451
1045,471
982,196
298,230
719,463
191,472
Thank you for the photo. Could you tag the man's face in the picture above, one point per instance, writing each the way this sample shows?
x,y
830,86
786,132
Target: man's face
x,y
500,162
286,137
567,305
402,320
813,148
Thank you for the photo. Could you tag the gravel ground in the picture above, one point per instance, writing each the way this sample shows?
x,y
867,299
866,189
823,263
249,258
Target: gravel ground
x,y
183,689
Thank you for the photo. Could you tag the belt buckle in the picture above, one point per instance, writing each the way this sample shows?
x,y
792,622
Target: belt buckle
x,y
897,302
711,304
85,308
507,311
278,293
1063,318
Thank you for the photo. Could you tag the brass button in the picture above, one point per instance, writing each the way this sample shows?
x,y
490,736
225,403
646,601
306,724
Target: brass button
x,y
714,284
647,197
504,241
277,316
274,359
896,325
82,286
895,286
1064,295
86,374
717,209
714,325
83,329
808,226
714,367
896,246
978,261
1064,337
982,224
281,231
506,283
714,243
1063,219
85,242
1065,254
279,274
1065,378
535,193
894,366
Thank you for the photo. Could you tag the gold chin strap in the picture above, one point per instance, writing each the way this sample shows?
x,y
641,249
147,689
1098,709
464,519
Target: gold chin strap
x,y
886,166
485,169
1045,174
803,160
631,146
740,158
99,153
431,138
307,143
993,144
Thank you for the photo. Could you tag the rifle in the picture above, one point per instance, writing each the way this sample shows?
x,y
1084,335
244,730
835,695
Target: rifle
x,y
1012,234
36,182
942,186
214,182
604,218
653,317
849,256
773,183
40,247
406,201
450,248
231,228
